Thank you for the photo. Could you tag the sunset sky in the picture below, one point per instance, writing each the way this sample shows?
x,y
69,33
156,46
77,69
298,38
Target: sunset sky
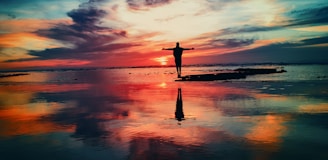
x,y
109,33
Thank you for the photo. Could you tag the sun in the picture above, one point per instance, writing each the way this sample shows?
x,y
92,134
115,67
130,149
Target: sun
x,y
162,60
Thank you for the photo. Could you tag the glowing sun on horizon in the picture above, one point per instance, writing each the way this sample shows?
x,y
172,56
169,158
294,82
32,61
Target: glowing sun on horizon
x,y
161,60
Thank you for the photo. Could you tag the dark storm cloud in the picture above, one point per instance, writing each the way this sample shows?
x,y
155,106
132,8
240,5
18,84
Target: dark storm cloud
x,y
232,43
218,41
86,18
89,38
90,51
309,16
315,41
143,4
303,52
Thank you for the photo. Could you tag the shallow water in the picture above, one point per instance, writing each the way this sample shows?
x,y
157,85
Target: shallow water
x,y
139,114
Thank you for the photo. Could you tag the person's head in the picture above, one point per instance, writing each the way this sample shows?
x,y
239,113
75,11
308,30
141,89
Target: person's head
x,y
177,44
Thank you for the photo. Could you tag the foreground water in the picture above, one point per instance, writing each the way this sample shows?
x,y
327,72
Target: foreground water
x,y
142,113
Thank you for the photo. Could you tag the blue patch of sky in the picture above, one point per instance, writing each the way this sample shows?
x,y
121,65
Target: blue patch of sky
x,y
293,5
36,9
302,4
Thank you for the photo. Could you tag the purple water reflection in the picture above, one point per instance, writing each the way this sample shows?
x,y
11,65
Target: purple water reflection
x,y
132,114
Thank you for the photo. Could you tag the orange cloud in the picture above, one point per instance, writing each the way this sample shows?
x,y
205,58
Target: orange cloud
x,y
265,42
29,25
16,45
13,53
29,41
314,29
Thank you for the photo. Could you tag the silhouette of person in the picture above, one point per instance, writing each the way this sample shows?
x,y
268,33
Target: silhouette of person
x,y
177,53
179,107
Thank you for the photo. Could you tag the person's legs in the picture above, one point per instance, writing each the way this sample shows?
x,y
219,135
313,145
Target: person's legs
x,y
179,71
178,66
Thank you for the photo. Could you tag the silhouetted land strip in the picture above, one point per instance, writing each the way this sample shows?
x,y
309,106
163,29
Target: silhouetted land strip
x,y
235,74
12,75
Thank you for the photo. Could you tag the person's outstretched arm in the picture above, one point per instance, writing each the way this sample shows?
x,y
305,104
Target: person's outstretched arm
x,y
167,48
188,48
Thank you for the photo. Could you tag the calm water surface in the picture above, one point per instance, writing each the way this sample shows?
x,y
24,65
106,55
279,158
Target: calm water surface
x,y
142,113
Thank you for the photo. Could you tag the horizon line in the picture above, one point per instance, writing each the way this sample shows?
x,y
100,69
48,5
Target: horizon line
x,y
152,66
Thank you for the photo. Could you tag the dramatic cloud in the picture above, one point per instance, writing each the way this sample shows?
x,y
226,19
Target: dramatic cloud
x,y
89,39
132,32
309,16
312,50
86,18
315,41
232,43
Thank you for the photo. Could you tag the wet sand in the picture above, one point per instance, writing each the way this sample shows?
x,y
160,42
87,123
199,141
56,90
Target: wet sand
x,y
137,114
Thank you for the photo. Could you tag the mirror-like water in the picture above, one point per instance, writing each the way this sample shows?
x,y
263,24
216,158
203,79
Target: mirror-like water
x,y
142,113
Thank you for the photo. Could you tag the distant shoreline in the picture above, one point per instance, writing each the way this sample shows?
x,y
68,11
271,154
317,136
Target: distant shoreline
x,y
12,75
156,66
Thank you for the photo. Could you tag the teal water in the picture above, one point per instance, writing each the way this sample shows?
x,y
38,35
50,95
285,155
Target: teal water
x,y
138,113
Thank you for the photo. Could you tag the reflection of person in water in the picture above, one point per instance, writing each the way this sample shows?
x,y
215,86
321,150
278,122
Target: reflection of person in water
x,y
177,52
179,107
